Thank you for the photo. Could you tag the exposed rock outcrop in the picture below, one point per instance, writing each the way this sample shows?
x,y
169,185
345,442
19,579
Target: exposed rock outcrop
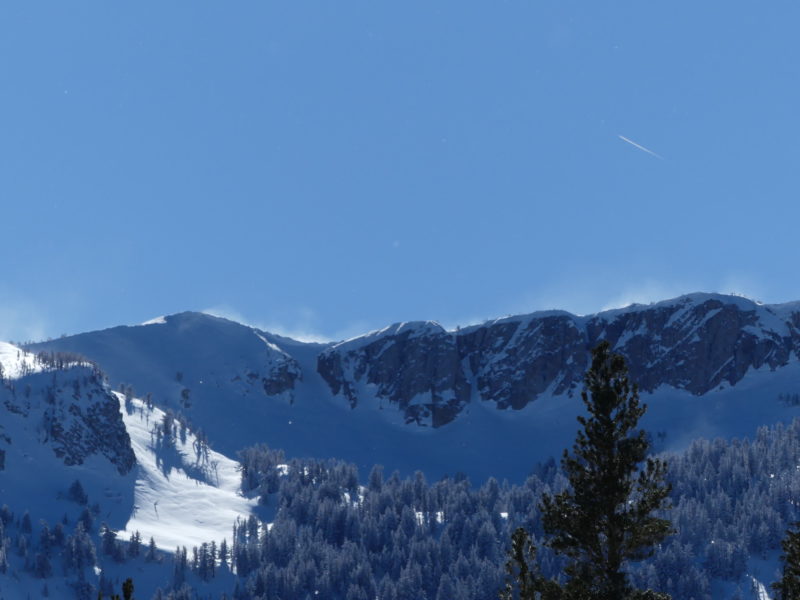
x,y
413,365
73,413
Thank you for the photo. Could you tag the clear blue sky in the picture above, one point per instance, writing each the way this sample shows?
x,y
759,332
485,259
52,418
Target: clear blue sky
x,y
330,167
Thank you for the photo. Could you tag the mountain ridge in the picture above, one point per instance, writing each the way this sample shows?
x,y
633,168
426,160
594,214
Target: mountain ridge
x,y
488,385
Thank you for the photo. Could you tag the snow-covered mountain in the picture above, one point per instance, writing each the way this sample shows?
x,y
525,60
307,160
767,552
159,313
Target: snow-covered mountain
x,y
489,399
72,451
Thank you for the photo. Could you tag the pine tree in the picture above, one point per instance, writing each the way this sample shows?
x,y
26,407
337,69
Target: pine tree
x,y
42,567
151,555
135,544
223,554
77,494
127,589
605,517
521,568
26,526
788,588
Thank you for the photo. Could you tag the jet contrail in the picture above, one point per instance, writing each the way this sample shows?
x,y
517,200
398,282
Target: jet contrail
x,y
639,146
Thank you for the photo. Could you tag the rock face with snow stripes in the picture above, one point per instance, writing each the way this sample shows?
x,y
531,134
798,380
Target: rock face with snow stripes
x,y
414,365
696,343
512,361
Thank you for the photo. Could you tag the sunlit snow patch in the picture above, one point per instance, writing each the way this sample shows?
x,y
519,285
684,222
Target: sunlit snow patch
x,y
16,362
760,590
156,321
180,500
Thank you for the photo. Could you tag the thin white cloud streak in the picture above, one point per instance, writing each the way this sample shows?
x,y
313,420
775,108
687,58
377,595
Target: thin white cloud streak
x,y
639,146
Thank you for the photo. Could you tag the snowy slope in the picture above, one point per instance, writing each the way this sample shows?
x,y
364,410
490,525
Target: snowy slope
x,y
60,424
15,362
173,494
181,497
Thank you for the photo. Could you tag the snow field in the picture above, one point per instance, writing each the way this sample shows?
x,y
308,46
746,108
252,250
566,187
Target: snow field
x,y
16,362
184,502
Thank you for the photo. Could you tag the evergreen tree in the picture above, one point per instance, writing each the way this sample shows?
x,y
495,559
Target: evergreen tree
x,y
604,519
135,544
77,494
42,567
109,538
152,551
788,588
26,526
223,554
45,538
520,568
127,589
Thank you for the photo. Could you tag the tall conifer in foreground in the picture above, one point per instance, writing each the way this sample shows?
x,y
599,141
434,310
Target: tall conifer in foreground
x,y
788,588
522,574
605,517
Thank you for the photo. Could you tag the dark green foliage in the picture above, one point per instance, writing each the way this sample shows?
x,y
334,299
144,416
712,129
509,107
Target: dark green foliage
x,y
127,589
788,588
605,519
522,580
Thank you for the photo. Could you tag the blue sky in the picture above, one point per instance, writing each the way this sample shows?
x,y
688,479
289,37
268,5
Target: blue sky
x,y
325,168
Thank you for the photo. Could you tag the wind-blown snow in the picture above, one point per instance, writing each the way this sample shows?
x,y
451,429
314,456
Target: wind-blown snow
x,y
182,502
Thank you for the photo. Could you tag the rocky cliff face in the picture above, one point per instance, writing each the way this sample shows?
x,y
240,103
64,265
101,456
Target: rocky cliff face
x,y
69,410
280,372
696,343
414,365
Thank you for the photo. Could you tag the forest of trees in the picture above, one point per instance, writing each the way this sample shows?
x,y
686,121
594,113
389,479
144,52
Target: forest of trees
x,y
391,537
730,500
